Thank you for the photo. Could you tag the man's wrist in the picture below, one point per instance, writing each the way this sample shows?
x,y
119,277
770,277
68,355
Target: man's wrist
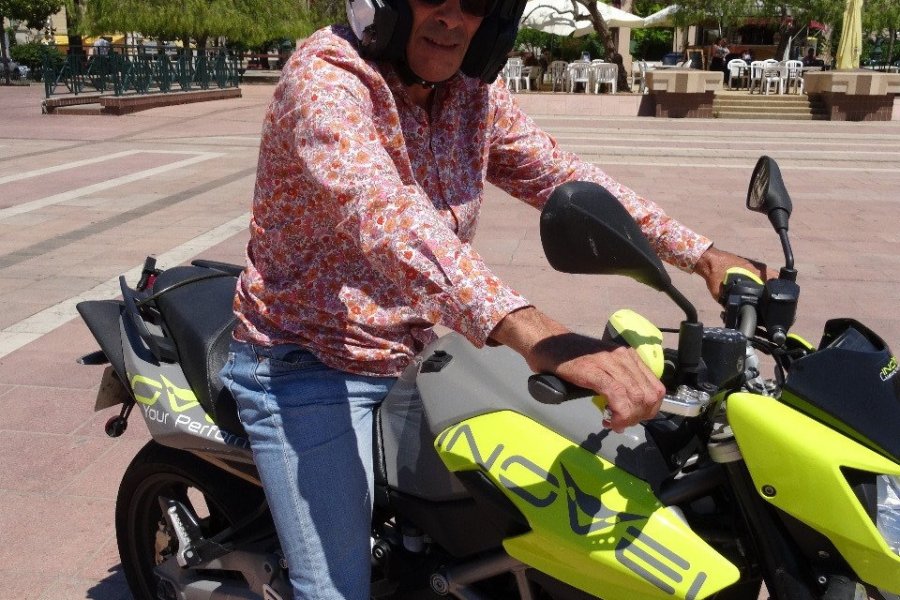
x,y
706,264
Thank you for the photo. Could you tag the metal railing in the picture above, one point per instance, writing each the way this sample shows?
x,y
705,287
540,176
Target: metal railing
x,y
121,70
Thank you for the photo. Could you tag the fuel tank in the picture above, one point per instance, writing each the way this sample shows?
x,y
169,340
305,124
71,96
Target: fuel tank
x,y
452,381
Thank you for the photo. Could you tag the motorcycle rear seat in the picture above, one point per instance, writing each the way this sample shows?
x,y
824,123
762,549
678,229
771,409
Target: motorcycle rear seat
x,y
197,314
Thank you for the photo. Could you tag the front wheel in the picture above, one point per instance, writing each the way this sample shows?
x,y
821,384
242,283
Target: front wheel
x,y
145,540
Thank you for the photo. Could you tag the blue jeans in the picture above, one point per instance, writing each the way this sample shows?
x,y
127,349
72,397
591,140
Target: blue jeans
x,y
310,428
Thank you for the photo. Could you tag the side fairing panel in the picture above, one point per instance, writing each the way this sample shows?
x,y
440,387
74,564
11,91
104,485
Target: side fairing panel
x,y
170,408
483,380
412,466
801,459
593,526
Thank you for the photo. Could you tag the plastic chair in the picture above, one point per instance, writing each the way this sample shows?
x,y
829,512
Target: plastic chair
x,y
737,69
773,76
558,70
793,76
580,72
514,76
605,73
757,67
639,77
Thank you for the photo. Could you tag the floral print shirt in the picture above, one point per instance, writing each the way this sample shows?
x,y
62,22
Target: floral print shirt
x,y
366,205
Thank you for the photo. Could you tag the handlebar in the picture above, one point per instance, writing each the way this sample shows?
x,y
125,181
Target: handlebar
x,y
747,320
550,389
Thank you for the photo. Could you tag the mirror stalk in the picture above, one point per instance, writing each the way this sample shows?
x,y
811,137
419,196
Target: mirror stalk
x,y
683,303
690,347
788,253
690,334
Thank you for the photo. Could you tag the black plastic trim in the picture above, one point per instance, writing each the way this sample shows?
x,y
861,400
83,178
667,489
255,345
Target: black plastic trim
x,y
102,318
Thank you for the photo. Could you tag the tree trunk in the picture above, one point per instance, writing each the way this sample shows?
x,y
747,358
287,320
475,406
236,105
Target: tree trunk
x,y
890,56
608,45
4,51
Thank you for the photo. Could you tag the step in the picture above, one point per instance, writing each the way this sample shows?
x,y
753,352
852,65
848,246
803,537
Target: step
x,y
768,109
765,109
807,116
763,102
766,102
762,106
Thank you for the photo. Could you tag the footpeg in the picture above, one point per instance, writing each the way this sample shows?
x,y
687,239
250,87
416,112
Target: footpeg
x,y
186,529
193,548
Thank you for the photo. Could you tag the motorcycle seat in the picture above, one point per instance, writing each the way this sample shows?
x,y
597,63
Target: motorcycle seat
x,y
196,307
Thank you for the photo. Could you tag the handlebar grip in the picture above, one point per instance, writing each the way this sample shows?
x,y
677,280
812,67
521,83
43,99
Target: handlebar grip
x,y
550,389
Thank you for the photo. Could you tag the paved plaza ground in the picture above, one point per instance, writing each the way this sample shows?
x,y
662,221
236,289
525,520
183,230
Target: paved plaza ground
x,y
84,199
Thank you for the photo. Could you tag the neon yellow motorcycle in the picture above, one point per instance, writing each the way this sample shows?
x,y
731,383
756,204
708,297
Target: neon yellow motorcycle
x,y
493,482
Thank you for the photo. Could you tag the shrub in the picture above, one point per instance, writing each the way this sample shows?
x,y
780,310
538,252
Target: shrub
x,y
32,56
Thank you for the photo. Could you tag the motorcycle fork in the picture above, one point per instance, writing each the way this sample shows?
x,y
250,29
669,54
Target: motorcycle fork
x,y
782,572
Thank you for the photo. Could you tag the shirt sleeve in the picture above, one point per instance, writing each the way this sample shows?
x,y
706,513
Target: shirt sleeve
x,y
342,154
528,163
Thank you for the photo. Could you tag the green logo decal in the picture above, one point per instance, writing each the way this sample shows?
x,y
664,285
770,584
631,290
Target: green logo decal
x,y
180,399
140,380
890,369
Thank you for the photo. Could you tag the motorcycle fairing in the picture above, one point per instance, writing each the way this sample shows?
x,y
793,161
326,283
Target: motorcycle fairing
x,y
593,525
802,460
102,318
852,383
169,406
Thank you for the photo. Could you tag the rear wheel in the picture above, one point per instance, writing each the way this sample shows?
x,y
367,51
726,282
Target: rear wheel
x,y
145,540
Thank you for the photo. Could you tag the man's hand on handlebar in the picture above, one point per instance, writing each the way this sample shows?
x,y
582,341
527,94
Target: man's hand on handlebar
x,y
633,393
714,263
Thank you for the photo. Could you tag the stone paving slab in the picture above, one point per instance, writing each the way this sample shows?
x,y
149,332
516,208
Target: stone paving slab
x,y
59,473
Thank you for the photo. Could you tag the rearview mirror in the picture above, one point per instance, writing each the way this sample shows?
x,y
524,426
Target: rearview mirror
x,y
585,229
768,194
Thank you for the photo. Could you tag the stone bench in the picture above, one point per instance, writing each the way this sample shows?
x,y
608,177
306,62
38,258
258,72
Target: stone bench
x,y
860,95
683,92
123,105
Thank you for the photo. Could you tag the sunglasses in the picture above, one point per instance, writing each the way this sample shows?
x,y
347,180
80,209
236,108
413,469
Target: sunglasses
x,y
475,8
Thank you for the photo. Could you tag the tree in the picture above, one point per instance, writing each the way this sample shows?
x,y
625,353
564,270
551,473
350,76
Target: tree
x,y
33,12
794,17
880,16
323,12
533,40
727,15
251,22
650,43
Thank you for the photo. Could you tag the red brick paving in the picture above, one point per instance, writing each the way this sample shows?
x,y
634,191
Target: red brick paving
x,y
59,473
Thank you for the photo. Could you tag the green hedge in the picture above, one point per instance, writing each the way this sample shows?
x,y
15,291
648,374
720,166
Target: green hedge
x,y
32,56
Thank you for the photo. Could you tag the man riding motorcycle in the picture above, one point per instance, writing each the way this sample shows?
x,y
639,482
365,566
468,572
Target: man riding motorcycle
x,y
373,159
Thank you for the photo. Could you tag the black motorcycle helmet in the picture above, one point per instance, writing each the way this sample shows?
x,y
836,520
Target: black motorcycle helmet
x,y
383,27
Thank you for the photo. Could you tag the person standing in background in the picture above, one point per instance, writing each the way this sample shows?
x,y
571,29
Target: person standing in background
x,y
719,51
